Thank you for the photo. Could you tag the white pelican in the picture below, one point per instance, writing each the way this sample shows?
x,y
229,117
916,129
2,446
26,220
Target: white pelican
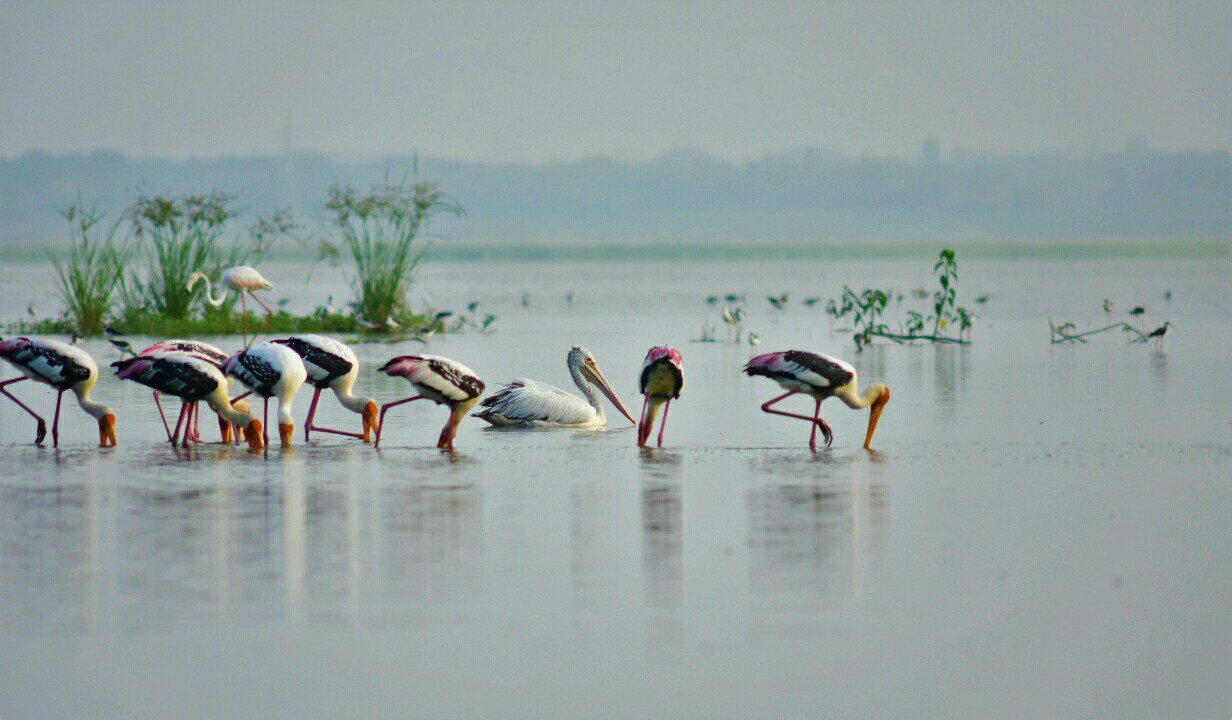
x,y
661,380
439,379
819,377
63,367
526,403
209,353
332,365
271,371
192,379
242,279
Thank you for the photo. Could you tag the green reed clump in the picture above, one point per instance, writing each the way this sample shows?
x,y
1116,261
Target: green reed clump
x,y
180,235
91,273
866,310
379,230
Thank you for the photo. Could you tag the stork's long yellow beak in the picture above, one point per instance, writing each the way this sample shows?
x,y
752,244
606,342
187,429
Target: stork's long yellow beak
x,y
874,415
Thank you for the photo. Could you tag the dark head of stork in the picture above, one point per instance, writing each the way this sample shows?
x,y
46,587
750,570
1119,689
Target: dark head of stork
x,y
581,361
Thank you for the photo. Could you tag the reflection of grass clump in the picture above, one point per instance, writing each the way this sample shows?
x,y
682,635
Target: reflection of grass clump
x,y
90,273
866,309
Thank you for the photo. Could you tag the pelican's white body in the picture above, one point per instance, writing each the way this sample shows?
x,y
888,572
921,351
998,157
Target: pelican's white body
x,y
526,398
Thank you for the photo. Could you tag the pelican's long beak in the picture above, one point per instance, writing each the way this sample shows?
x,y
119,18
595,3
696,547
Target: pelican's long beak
x,y
370,420
596,376
874,415
106,431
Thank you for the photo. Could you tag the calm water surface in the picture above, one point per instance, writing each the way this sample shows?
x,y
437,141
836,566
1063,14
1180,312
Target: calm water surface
x,y
1043,531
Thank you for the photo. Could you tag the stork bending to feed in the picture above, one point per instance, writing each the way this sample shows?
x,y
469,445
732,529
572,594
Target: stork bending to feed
x,y
332,365
526,403
819,377
439,379
661,381
271,371
215,357
63,367
192,379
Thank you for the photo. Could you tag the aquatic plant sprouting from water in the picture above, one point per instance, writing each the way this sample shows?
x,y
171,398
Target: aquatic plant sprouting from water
x,y
379,230
1068,332
180,235
866,311
91,272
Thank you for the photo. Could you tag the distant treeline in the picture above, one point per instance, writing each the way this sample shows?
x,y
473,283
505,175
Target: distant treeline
x,y
688,196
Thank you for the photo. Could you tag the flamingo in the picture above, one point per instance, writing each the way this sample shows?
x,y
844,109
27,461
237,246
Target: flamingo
x,y
526,403
191,378
242,279
63,367
332,365
439,379
661,380
819,377
271,371
210,354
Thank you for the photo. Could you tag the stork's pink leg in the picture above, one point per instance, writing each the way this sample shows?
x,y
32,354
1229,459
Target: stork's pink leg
x,y
179,423
381,423
784,396
196,418
642,432
312,411
237,398
663,422
813,434
55,424
158,404
40,431
265,425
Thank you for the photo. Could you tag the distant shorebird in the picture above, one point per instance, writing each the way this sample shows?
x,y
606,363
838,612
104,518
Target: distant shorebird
x,y
819,377
116,338
526,403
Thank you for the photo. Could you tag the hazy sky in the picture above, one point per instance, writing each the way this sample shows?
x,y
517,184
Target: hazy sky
x,y
538,82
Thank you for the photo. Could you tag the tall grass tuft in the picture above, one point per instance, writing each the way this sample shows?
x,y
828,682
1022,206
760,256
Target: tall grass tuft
x,y
181,235
91,272
379,230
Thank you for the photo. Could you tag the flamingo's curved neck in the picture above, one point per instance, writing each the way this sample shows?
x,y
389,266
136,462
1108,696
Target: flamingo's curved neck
x,y
95,410
587,389
209,293
856,400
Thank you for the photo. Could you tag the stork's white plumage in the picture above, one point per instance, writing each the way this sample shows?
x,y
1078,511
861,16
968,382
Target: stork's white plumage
x,y
333,365
820,377
209,353
527,403
441,380
191,378
271,371
63,367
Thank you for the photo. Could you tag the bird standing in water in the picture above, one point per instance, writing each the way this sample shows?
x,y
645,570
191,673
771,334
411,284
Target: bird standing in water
x,y
63,367
441,380
819,377
661,381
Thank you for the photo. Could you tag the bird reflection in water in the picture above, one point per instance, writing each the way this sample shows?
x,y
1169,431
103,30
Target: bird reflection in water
x,y
662,529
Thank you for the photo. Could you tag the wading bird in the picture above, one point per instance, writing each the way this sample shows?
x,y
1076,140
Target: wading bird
x,y
441,380
241,279
271,371
661,380
216,357
63,367
819,377
331,365
192,379
526,403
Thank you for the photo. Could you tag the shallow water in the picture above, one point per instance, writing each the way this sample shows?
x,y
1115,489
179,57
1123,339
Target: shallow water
x,y
1042,532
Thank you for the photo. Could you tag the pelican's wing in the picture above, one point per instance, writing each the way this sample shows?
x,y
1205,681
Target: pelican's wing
x,y
528,401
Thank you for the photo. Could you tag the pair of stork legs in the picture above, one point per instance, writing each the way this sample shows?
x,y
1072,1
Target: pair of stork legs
x,y
816,421
643,433
445,441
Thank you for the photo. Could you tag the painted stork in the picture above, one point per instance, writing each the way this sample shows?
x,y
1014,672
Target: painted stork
x,y
819,377
526,403
210,354
192,379
439,379
271,371
332,365
661,381
63,367
241,279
